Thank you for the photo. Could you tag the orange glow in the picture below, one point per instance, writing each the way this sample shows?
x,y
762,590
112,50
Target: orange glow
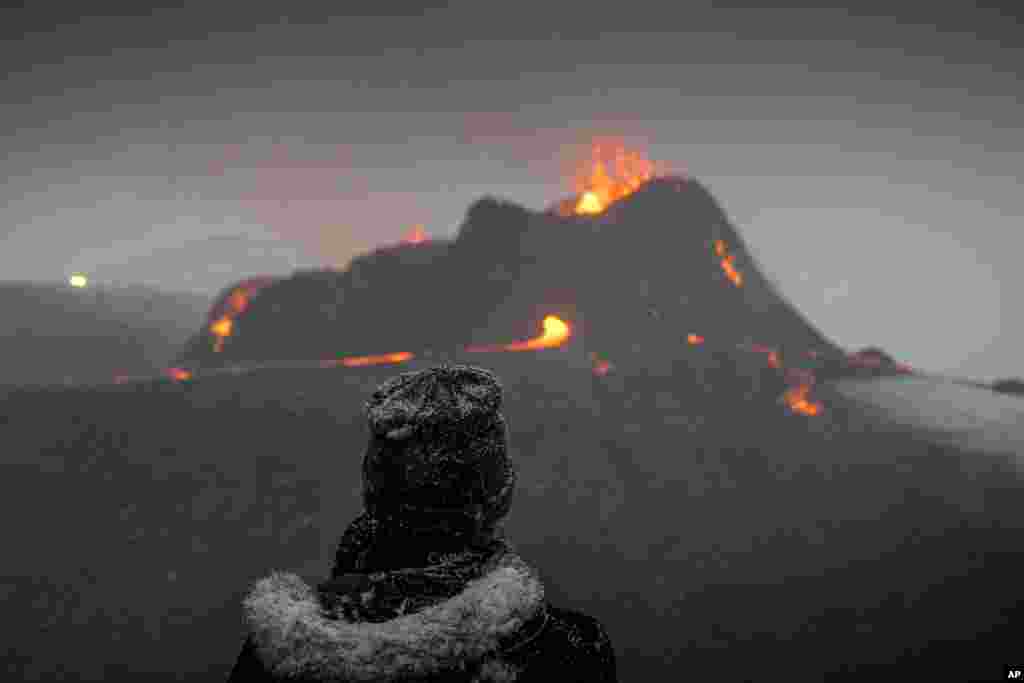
x,y
597,187
796,399
726,260
589,203
362,361
556,332
178,374
731,272
417,235
222,325
800,381
694,339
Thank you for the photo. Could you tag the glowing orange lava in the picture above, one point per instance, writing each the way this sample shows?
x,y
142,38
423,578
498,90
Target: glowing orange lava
x,y
221,328
589,203
796,399
727,262
362,361
222,322
417,235
799,380
556,332
612,172
694,339
178,374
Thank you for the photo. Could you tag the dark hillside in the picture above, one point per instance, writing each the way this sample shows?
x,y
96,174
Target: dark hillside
x,y
707,527
508,267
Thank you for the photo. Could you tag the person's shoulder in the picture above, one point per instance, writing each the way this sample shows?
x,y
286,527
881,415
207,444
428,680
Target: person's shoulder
x,y
248,667
580,630
572,646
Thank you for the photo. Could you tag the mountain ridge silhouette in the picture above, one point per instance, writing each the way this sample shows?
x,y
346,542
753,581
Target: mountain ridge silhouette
x,y
509,266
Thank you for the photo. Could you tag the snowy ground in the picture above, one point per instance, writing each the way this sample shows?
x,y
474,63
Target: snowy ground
x,y
974,417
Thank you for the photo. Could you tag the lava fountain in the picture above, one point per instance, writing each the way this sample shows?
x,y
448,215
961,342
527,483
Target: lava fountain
x,y
611,173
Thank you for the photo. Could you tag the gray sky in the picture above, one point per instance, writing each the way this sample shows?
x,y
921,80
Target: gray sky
x,y
869,156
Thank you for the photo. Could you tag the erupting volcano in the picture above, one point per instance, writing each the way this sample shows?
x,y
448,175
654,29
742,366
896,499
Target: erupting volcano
x,y
651,372
637,242
596,187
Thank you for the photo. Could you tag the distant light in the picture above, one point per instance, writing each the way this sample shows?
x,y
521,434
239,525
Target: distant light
x,y
78,280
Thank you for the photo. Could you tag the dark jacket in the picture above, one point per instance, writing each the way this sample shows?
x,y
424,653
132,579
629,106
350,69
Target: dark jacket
x,y
495,626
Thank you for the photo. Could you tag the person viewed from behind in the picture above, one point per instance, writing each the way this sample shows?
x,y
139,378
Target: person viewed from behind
x,y
425,584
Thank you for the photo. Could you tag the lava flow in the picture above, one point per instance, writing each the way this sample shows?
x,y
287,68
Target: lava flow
x,y
363,361
596,187
223,322
178,374
727,259
796,399
799,380
556,332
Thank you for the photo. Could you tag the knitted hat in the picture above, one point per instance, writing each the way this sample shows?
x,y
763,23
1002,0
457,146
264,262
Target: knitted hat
x,y
437,461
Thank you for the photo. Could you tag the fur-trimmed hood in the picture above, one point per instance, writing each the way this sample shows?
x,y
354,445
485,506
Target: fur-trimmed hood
x,y
295,637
